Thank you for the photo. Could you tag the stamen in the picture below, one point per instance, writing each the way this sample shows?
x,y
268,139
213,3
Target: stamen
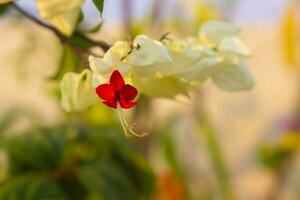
x,y
128,128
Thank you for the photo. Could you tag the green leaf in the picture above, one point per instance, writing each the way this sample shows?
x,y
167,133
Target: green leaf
x,y
99,4
107,180
80,17
69,63
30,187
83,162
35,150
129,158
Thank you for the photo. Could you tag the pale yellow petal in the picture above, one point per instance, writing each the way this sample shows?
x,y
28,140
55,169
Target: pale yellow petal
x,y
100,65
66,22
234,46
52,8
77,91
112,59
148,56
214,31
166,87
234,78
62,14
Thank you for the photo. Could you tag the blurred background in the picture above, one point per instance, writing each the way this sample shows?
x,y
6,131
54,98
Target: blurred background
x,y
247,146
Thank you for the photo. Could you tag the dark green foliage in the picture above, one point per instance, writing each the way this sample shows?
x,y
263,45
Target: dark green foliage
x,y
74,162
30,187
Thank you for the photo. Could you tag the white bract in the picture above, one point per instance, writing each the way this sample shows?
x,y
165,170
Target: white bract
x,y
147,56
213,32
77,91
233,77
192,61
63,14
112,59
231,73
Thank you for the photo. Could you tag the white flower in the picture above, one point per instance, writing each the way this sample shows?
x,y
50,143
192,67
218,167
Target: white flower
x,y
191,60
231,72
233,46
145,58
213,32
222,36
77,91
148,56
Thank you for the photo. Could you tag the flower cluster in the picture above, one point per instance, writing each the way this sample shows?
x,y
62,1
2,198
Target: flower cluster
x,y
172,66
157,68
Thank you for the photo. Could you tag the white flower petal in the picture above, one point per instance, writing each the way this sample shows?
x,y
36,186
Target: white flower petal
x,y
100,66
116,56
63,14
167,87
234,46
184,55
234,78
202,69
103,67
51,8
66,22
148,56
214,31
77,91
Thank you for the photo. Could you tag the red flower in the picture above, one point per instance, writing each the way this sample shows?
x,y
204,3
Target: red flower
x,y
116,91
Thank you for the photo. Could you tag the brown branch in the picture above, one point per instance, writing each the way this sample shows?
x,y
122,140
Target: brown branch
x,y
64,39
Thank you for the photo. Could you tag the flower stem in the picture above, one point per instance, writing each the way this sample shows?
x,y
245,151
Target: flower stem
x,y
60,35
217,161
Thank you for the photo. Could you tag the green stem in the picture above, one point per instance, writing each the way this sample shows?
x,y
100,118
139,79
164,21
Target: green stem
x,y
217,160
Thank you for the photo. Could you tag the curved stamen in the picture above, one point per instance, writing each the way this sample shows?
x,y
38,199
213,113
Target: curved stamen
x,y
128,128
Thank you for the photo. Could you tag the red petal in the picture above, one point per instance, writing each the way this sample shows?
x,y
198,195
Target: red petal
x,y
127,104
117,80
111,103
106,91
128,92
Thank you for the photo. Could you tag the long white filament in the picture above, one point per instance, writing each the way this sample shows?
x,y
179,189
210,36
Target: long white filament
x,y
128,128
